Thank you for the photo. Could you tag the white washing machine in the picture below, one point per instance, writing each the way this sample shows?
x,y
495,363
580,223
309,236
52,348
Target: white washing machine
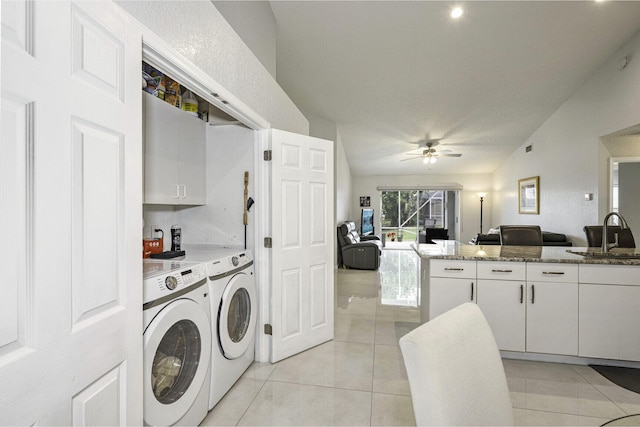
x,y
234,310
177,343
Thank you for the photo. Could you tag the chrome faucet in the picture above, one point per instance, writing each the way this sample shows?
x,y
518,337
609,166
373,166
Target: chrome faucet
x,y
605,232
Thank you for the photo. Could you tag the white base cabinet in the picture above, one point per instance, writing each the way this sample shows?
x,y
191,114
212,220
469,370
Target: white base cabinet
x,y
501,288
449,293
552,318
502,303
451,283
531,307
610,312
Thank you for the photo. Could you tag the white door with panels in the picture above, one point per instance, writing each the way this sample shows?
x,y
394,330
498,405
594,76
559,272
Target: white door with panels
x,y
303,243
70,188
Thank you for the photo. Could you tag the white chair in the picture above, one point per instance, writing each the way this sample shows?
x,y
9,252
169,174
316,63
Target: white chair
x,y
455,371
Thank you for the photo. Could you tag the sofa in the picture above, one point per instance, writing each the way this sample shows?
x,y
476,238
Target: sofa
x,y
548,239
356,251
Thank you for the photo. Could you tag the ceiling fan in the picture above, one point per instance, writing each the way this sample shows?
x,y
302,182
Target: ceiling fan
x,y
429,155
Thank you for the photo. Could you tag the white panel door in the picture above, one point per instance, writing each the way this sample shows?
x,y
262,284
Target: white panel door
x,y
303,243
70,188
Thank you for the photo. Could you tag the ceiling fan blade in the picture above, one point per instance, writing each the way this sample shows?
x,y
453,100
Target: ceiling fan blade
x,y
451,155
412,158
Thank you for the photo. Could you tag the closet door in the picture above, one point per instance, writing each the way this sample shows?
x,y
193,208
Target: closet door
x,y
303,243
70,185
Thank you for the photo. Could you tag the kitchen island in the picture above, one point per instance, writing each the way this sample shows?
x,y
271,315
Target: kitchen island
x,y
542,303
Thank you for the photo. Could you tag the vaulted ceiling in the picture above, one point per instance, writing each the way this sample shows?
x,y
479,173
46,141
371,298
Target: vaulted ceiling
x,y
392,72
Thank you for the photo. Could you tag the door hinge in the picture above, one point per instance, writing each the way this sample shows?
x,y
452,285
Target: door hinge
x,y
268,243
267,329
267,155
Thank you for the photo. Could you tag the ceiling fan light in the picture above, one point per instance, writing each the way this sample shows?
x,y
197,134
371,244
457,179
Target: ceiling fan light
x,y
432,160
425,160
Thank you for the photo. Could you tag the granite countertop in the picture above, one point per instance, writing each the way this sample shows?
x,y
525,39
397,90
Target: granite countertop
x,y
450,249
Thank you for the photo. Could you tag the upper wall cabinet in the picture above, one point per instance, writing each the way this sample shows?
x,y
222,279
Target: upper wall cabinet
x,y
175,155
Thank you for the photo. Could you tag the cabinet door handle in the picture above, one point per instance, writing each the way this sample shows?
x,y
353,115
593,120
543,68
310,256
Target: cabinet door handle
x,y
559,273
184,191
471,291
521,293
177,191
453,269
502,271
533,294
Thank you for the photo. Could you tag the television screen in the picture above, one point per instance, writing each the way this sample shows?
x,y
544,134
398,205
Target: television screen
x,y
366,223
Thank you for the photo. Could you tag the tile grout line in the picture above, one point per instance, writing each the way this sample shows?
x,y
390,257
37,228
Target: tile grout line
x,y
244,413
595,387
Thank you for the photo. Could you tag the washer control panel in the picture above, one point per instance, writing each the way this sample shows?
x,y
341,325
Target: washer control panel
x,y
172,277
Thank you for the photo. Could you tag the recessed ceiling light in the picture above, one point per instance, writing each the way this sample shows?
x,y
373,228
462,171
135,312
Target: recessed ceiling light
x,y
456,12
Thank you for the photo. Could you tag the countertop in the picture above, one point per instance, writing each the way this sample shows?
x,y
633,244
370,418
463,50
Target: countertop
x,y
450,249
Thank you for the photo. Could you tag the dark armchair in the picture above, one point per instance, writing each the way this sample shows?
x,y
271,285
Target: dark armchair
x,y
355,251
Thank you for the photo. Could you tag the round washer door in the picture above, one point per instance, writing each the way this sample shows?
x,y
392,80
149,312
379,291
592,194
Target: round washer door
x,y
237,317
177,351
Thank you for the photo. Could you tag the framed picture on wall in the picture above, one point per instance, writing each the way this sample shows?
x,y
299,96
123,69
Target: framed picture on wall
x,y
365,201
529,195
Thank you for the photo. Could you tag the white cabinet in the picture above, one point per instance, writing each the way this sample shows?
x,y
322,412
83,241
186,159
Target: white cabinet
x,y
586,310
552,308
175,155
501,297
451,283
609,317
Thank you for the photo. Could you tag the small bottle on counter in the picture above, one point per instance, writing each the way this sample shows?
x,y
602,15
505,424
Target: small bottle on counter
x,y
175,237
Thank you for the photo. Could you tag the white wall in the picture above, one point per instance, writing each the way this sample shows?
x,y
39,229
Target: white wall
x,y
199,32
230,152
254,22
326,129
568,155
470,202
344,183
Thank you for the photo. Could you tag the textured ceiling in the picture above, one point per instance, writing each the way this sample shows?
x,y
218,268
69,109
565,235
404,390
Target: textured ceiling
x,y
389,72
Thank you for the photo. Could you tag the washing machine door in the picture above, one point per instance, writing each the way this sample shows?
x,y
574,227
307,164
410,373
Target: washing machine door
x,y
237,316
177,352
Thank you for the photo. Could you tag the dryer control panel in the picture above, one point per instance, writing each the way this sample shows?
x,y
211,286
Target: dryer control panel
x,y
229,264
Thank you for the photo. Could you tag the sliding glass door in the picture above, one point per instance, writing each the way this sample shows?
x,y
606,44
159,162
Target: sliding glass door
x,y
406,213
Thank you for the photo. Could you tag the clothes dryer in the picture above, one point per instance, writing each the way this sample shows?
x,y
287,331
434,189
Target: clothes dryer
x,y
177,343
234,310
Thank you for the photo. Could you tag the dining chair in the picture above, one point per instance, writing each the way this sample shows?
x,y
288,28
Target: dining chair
x,y
455,371
520,235
594,236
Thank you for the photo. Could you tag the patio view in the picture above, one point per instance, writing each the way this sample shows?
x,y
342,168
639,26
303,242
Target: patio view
x,y
405,213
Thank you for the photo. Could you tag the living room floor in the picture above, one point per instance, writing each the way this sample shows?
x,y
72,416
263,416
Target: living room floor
x,y
359,379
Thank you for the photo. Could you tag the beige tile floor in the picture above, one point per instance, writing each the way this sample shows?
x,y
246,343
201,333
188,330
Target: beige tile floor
x,y
359,379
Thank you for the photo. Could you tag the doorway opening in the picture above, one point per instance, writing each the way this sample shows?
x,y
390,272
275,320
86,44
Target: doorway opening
x,y
407,214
